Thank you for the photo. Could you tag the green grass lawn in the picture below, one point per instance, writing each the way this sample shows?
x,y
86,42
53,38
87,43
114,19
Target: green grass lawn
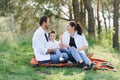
x,y
14,65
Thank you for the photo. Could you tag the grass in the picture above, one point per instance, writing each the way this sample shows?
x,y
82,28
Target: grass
x,y
14,65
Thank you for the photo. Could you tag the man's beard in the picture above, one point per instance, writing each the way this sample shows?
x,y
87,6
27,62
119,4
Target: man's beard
x,y
47,27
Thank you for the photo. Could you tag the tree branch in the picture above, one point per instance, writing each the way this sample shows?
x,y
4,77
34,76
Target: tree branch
x,y
64,12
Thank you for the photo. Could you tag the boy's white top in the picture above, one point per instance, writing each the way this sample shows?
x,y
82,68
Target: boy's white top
x,y
52,44
80,40
39,44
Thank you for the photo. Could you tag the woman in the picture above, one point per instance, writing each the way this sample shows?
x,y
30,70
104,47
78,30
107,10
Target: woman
x,y
76,44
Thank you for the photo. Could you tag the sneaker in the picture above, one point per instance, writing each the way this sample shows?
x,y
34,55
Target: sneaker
x,y
61,59
83,66
93,66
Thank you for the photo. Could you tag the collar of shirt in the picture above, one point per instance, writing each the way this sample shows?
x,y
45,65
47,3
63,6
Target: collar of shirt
x,y
43,31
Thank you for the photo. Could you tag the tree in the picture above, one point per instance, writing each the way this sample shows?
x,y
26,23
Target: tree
x,y
107,11
70,11
82,13
6,7
115,24
103,14
91,21
76,10
98,19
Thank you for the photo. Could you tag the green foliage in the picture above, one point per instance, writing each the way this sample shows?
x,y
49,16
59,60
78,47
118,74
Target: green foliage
x,y
91,41
4,46
106,38
18,44
25,45
48,13
6,7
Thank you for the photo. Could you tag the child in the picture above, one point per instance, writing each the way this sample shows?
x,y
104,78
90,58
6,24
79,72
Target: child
x,y
53,44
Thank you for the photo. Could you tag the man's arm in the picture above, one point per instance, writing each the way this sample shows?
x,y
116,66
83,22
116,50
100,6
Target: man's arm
x,y
49,51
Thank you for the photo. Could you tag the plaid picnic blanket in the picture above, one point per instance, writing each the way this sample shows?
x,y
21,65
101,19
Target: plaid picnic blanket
x,y
100,64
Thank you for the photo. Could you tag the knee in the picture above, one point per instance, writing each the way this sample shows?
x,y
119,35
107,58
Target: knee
x,y
63,49
56,51
82,54
65,56
72,48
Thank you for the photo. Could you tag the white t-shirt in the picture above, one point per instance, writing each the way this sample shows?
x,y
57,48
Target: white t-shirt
x,y
52,44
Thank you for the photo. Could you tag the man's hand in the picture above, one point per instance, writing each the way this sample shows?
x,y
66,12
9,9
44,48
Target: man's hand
x,y
49,51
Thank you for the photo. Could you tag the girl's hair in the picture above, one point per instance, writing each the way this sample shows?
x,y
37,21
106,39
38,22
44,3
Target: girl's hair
x,y
76,26
52,32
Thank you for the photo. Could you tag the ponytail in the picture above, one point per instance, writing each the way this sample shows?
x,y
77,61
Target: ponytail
x,y
79,29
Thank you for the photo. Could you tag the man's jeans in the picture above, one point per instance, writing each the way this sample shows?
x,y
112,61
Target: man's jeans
x,y
75,56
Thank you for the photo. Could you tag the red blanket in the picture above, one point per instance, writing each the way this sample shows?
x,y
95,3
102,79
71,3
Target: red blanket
x,y
100,64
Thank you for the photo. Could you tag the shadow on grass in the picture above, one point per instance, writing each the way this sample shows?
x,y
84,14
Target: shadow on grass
x,y
77,72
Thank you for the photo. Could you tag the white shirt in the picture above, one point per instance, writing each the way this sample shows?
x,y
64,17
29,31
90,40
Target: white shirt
x,y
39,43
80,40
52,44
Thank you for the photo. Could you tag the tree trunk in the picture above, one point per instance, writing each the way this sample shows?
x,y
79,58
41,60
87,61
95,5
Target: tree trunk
x,y
116,25
76,10
91,21
83,13
98,20
70,12
104,18
109,20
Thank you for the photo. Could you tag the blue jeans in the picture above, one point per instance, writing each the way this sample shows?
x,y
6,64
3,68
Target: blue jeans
x,y
75,56
85,58
54,57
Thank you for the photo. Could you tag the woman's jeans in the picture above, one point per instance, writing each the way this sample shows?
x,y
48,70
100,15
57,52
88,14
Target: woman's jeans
x,y
75,56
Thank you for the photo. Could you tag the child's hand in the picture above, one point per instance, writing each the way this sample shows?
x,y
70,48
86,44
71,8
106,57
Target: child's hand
x,y
67,46
60,47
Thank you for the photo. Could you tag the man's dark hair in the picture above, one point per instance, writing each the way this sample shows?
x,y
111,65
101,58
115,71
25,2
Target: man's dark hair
x,y
43,19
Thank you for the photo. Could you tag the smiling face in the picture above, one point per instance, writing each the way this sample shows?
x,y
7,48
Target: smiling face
x,y
52,36
47,23
70,28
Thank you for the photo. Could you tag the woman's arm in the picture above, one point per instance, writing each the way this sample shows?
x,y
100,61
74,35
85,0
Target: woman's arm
x,y
61,45
84,42
82,48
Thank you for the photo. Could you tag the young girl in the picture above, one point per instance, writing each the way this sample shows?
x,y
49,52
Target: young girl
x,y
53,44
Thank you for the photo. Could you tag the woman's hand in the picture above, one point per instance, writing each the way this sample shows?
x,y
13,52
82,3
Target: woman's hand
x,y
61,45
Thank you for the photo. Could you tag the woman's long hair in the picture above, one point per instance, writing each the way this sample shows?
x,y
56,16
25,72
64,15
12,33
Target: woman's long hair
x,y
77,27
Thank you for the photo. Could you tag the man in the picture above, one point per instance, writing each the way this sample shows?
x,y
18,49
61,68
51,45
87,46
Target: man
x,y
39,43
